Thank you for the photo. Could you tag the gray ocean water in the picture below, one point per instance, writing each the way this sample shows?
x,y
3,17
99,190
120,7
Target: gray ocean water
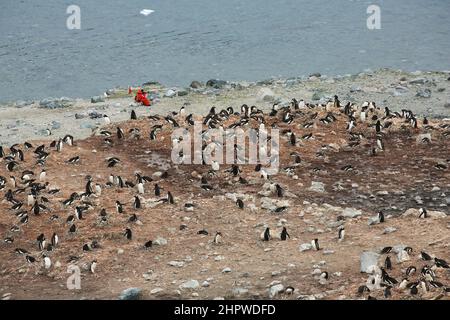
x,y
186,40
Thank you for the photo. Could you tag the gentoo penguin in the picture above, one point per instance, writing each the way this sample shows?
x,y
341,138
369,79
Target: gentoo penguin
x,y
128,234
440,263
378,127
284,234
218,238
42,175
410,271
140,187
323,278
386,250
148,244
240,203
133,115
170,197
265,236
388,263
423,213
381,216
106,119
119,207
137,202
30,259
315,244
93,266
341,234
425,256
157,190
55,240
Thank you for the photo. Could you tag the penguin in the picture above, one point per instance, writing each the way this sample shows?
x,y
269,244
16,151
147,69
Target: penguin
x,y
42,175
41,241
240,203
410,271
341,234
423,213
106,119
218,238
203,232
315,244
55,240
170,197
148,244
136,202
387,292
388,263
440,263
30,259
120,133
403,284
157,190
378,127
381,216
140,187
128,234
425,256
119,207
386,250
133,115
279,190
215,165
93,266
284,234
265,236
72,228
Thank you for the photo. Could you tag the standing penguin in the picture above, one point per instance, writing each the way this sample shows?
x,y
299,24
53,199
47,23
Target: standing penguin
x,y
265,236
284,234
315,244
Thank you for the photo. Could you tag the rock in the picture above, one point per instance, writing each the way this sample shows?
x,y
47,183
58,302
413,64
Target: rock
x,y
87,126
317,187
226,270
328,252
182,93
79,116
447,200
431,214
447,104
305,247
402,256
178,264
238,291
368,259
265,94
130,294
94,114
216,84
351,213
156,290
55,125
275,290
160,241
373,221
205,284
424,93
422,136
151,83
316,75
355,88
418,81
170,93
196,84
120,251
389,230
191,284
6,296
52,103
97,99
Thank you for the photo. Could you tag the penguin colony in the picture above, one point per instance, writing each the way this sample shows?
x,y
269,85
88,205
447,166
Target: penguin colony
x,y
75,201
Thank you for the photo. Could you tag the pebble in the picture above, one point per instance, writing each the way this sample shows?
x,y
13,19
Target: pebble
x,y
156,290
178,264
275,290
389,230
226,270
305,247
191,284
130,294
205,284
160,241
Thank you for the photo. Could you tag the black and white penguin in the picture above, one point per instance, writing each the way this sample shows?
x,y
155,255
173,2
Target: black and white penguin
x,y
137,202
265,236
284,234
388,263
119,207
240,203
315,244
218,238
128,234
341,234
55,240
423,213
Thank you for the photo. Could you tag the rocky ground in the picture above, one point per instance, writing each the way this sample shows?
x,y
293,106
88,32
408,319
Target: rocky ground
x,y
319,196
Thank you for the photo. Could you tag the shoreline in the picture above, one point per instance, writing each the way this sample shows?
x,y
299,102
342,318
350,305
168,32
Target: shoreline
x,y
425,93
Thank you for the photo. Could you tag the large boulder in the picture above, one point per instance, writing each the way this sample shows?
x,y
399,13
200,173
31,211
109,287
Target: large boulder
x,y
368,259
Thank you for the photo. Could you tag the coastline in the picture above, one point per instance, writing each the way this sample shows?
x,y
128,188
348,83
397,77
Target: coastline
x,y
425,93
